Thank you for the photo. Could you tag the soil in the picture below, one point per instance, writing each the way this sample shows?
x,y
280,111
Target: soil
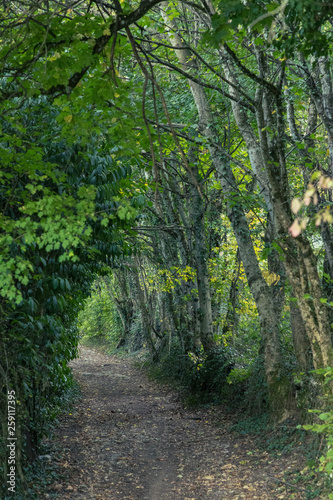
x,y
130,438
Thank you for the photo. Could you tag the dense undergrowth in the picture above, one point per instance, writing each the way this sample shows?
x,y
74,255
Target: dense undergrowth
x,y
43,472
48,195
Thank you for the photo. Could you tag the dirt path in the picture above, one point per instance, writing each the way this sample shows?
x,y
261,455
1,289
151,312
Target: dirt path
x,y
130,438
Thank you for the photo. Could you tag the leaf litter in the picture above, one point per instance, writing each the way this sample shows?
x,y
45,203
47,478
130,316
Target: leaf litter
x,y
129,438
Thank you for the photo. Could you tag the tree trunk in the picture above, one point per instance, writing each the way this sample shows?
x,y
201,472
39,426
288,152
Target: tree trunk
x,y
146,320
301,342
299,260
278,384
201,257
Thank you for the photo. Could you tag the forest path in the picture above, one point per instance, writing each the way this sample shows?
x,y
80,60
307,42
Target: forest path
x,y
130,438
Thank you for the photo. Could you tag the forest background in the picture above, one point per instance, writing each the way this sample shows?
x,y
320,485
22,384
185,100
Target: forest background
x,y
166,170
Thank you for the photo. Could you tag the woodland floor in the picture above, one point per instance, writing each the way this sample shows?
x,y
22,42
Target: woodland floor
x,y
130,438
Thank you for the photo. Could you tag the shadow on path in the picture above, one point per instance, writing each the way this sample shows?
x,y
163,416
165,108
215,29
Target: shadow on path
x,y
130,438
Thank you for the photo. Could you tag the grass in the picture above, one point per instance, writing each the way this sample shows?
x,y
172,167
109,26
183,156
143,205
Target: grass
x,y
100,344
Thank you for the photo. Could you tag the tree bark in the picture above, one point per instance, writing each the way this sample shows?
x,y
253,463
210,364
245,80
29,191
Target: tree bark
x,y
146,320
301,342
201,257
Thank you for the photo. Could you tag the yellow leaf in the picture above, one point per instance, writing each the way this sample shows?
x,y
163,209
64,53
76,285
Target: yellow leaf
x,y
271,278
68,118
107,32
116,95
